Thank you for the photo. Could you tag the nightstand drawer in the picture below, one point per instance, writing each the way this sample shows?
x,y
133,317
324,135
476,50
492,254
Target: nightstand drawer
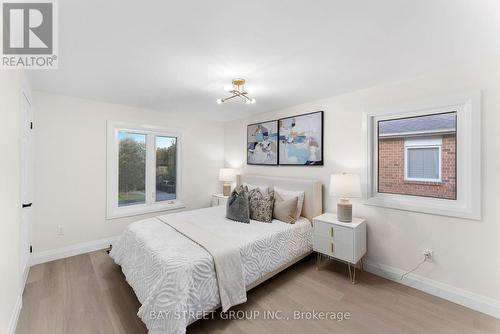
x,y
334,232
342,250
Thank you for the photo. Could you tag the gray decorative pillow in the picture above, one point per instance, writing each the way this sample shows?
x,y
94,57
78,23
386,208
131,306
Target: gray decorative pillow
x,y
261,205
237,205
285,209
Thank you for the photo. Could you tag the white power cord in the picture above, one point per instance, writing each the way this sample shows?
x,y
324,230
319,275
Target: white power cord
x,y
416,267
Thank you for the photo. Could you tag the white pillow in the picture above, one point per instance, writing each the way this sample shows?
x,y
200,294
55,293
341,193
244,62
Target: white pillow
x,y
263,189
288,194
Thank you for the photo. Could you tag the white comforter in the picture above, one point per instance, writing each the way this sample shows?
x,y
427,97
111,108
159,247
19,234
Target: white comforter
x,y
174,278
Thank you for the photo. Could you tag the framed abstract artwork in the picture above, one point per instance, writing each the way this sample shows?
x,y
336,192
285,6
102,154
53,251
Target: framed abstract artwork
x,y
301,140
262,143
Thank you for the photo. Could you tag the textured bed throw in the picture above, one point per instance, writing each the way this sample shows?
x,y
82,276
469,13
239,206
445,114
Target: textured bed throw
x,y
227,260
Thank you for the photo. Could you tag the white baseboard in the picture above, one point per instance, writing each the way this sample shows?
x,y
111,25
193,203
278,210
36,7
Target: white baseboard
x,y
26,271
465,298
19,302
61,253
15,315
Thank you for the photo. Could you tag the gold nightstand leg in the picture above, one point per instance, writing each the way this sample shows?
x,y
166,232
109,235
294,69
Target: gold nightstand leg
x,y
352,275
318,260
361,265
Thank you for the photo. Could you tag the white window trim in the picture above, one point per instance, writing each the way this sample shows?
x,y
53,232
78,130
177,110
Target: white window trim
x,y
469,180
415,143
112,209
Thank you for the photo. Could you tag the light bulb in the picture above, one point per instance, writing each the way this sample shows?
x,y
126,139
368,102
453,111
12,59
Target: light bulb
x,y
219,101
252,101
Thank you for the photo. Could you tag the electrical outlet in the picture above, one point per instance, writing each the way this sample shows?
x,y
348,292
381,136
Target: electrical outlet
x,y
429,254
60,229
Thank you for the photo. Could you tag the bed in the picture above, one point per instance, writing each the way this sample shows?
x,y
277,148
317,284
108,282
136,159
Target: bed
x,y
174,277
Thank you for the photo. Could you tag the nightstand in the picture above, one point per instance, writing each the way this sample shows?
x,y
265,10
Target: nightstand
x,y
219,199
342,241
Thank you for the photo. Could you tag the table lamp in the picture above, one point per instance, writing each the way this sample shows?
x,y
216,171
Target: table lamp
x,y
227,175
345,186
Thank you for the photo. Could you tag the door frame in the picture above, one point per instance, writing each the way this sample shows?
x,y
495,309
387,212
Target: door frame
x,y
24,120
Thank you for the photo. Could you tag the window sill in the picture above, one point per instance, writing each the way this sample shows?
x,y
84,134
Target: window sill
x,y
429,205
138,210
426,183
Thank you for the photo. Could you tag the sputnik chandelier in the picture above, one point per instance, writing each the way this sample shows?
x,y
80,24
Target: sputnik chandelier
x,y
238,90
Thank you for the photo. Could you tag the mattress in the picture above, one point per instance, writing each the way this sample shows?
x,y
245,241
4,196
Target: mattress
x,y
174,278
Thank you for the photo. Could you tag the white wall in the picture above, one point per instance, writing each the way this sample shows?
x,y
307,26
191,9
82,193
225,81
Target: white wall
x,y
10,287
467,253
70,166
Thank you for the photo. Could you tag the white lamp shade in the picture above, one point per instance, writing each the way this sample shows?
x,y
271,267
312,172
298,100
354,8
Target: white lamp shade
x,y
227,174
345,185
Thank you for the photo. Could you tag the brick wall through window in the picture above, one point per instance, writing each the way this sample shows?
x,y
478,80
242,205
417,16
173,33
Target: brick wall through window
x,y
391,170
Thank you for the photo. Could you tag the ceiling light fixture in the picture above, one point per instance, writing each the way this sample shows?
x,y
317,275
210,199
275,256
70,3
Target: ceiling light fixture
x,y
238,90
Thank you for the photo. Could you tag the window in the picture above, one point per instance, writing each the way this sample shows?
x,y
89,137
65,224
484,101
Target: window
x,y
131,168
423,160
411,157
166,168
425,157
143,172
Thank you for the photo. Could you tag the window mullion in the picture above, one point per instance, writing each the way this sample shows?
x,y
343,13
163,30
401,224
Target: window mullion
x,y
150,169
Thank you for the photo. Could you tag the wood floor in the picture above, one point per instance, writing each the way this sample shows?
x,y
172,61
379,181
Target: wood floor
x,y
88,294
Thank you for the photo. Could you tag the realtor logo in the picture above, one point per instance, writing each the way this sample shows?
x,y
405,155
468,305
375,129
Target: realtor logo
x,y
29,34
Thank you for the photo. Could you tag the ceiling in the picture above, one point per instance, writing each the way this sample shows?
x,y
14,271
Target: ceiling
x,y
178,55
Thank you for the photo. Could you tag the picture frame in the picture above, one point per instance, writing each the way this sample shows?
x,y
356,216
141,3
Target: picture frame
x,y
300,140
262,143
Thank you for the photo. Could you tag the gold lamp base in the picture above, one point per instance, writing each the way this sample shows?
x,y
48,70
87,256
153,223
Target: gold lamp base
x,y
226,189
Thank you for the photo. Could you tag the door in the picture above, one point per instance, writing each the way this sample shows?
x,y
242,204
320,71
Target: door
x,y
26,185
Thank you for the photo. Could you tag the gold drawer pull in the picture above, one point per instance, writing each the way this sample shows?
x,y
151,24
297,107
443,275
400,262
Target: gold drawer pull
x,y
331,232
332,247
